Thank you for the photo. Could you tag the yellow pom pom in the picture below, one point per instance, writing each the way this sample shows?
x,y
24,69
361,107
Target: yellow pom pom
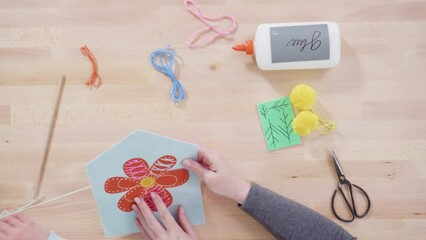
x,y
304,122
303,97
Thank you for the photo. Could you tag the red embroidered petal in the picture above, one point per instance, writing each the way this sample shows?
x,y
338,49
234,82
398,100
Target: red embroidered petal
x,y
136,168
173,178
163,193
126,202
162,164
119,184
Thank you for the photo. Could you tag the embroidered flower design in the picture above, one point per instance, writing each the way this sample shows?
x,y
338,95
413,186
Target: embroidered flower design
x,y
142,180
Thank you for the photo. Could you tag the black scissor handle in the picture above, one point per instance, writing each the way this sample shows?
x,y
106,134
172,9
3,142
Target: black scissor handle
x,y
368,203
350,205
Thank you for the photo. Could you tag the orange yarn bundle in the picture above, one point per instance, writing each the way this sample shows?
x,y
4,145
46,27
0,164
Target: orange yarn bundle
x,y
95,80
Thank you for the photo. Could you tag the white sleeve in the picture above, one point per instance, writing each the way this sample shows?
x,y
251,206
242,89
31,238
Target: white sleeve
x,y
53,236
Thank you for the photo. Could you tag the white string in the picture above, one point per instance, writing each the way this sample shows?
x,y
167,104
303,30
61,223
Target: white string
x,y
4,213
32,205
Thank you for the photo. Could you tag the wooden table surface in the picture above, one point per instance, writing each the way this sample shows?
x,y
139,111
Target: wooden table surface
x,y
376,96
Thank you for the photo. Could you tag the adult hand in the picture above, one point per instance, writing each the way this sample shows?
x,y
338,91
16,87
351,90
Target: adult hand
x,y
218,175
168,229
20,227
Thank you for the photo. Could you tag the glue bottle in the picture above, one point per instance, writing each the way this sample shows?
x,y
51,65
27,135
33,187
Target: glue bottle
x,y
306,45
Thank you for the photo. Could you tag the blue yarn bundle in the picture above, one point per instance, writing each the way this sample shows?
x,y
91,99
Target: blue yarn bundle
x,y
163,60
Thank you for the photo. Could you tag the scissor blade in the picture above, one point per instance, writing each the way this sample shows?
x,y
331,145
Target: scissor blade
x,y
336,162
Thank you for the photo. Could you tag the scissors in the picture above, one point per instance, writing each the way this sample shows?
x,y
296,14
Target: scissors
x,y
350,202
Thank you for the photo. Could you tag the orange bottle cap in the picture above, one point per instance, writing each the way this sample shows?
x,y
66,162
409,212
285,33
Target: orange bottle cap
x,y
245,47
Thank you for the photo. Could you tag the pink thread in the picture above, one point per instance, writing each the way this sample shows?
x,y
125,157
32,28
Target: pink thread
x,y
194,40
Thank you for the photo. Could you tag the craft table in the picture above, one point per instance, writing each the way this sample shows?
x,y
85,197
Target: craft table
x,y
375,95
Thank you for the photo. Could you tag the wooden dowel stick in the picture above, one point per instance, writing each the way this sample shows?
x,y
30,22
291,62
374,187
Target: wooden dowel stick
x,y
49,138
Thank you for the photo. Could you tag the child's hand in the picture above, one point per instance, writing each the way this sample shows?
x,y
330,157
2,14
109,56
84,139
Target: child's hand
x,y
218,175
20,227
169,229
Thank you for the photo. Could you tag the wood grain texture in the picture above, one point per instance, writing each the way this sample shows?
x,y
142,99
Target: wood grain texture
x,y
376,96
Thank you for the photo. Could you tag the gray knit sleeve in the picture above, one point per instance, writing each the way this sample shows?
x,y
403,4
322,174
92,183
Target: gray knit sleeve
x,y
289,220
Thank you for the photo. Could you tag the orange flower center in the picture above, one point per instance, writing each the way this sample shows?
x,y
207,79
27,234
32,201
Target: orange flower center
x,y
147,182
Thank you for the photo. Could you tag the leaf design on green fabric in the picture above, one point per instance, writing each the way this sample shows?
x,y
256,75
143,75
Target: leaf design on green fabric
x,y
279,105
287,129
263,110
271,133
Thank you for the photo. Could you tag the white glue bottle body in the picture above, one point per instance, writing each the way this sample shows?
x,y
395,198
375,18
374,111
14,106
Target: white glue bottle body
x,y
305,45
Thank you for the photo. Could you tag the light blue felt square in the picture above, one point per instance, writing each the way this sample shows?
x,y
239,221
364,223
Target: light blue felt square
x,y
148,146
